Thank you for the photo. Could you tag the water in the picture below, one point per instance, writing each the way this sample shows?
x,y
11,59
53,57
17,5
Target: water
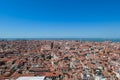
x,y
81,39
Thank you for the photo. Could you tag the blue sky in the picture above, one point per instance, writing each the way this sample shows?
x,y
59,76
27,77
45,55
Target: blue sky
x,y
60,18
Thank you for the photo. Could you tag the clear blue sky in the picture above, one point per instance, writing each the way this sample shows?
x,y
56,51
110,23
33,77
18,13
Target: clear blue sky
x,y
60,18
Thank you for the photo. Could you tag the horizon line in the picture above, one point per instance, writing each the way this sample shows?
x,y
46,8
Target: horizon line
x,y
55,38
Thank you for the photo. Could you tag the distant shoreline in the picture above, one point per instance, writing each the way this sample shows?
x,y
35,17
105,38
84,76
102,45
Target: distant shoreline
x,y
79,39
